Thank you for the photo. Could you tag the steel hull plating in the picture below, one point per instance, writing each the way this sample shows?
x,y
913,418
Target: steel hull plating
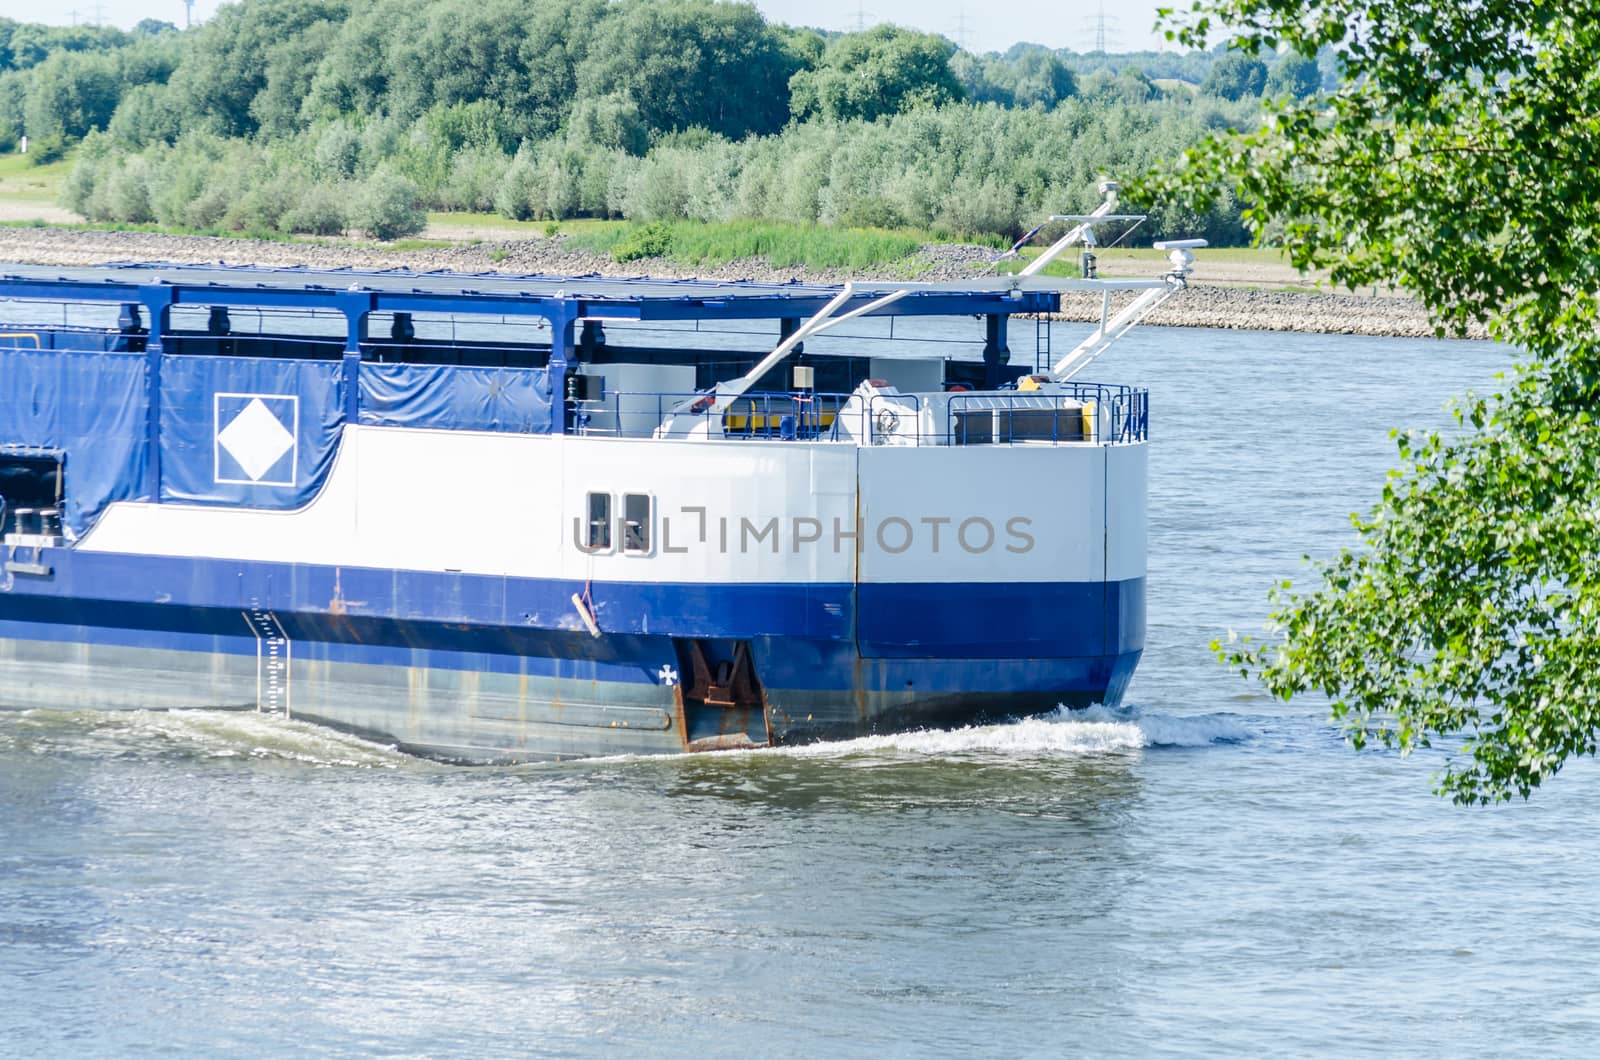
x,y
467,717
475,691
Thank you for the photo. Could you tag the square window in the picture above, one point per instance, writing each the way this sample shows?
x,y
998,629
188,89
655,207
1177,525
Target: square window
x,y
636,522
598,535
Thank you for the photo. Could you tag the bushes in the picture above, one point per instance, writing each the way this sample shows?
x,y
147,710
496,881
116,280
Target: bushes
x,y
320,211
127,192
475,176
970,171
645,241
202,183
47,149
520,193
558,181
337,152
387,207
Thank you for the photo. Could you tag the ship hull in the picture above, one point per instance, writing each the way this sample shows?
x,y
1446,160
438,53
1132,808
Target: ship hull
x,y
126,632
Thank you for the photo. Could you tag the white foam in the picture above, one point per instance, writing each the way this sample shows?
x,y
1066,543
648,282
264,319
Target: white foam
x,y
1033,737
1169,730
1079,732
228,734
222,734
212,734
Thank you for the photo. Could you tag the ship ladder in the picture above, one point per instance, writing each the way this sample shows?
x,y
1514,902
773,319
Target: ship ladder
x,y
272,661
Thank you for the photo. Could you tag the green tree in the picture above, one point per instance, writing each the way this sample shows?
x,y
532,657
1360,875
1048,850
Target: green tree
x,y
885,70
146,115
1456,159
1026,76
152,27
972,74
693,63
609,121
1235,76
71,93
31,43
13,107
805,47
1293,75
253,62
401,58
1128,86
1037,78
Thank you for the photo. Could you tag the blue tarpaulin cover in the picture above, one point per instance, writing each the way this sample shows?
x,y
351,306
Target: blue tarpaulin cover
x,y
256,432
248,431
456,398
93,407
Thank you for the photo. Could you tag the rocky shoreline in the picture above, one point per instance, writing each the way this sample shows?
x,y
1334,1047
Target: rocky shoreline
x,y
1205,305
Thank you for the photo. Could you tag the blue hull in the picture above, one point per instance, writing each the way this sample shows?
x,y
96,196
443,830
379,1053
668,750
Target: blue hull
x,y
479,669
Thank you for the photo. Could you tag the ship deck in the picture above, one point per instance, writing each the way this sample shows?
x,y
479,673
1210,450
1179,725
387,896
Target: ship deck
x,y
591,296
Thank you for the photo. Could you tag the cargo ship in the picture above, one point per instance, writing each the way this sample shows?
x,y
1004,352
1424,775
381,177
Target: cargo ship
x,y
493,518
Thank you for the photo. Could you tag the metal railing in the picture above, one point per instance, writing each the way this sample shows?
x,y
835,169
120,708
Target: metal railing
x,y
777,417
1098,413
1092,413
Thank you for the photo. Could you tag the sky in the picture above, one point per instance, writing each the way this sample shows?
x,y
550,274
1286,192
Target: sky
x,y
980,25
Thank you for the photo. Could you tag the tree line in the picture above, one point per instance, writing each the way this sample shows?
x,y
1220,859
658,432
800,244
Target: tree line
x,y
326,115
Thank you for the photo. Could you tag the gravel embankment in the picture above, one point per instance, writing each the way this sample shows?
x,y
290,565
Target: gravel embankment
x,y
1204,305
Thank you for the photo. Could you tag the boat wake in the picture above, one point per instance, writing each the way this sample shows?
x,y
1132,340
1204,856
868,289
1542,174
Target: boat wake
x,y
1096,730
219,734
192,734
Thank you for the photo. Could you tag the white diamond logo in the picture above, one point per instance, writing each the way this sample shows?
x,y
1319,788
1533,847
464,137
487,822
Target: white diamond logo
x,y
256,439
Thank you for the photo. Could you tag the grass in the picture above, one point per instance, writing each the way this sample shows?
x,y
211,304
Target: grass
x,y
784,245
265,235
698,243
809,246
21,180
415,244
26,188
467,219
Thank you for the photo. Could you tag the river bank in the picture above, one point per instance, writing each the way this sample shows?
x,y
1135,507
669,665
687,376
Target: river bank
x,y
1222,295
